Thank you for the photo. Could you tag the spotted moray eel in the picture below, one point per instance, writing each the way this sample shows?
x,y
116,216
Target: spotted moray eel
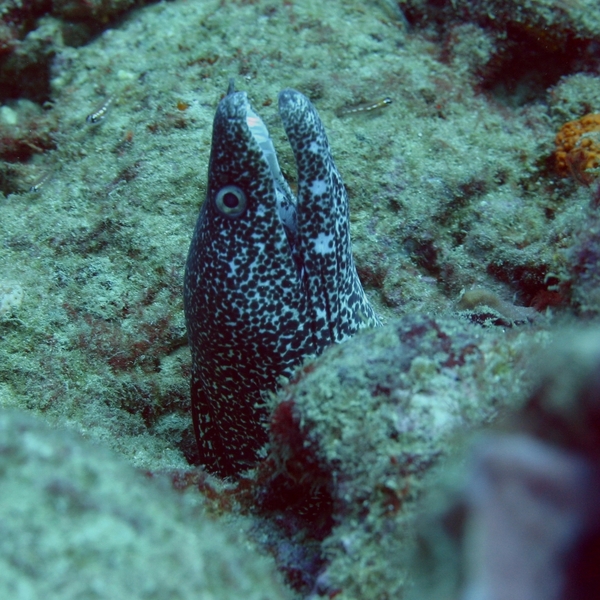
x,y
269,280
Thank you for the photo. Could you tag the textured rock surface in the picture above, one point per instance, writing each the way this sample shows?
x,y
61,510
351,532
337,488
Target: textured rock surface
x,y
77,522
529,501
377,417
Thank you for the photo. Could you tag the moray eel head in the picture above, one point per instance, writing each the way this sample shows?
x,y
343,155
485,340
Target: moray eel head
x,y
269,278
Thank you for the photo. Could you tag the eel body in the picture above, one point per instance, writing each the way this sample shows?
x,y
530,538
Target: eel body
x,y
269,279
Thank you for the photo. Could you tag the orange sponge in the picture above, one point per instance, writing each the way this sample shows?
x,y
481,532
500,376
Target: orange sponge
x,y
578,149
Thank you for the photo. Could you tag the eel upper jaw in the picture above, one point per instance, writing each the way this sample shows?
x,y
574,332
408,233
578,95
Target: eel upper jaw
x,y
285,200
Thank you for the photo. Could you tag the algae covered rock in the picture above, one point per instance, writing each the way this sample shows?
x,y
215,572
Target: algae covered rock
x,y
528,505
77,522
363,430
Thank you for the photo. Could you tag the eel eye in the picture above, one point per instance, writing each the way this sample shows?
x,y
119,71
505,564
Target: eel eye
x,y
231,201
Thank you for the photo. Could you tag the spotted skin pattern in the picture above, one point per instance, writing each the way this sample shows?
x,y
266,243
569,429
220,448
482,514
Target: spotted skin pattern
x,y
269,280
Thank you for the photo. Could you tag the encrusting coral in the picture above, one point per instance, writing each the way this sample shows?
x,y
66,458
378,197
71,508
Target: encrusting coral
x,y
578,149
